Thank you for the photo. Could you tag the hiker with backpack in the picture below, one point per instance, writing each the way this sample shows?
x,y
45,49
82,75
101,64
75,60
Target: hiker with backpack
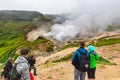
x,y
92,67
80,61
32,62
22,66
7,69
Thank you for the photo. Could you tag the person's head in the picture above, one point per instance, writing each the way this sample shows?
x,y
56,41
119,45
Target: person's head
x,y
24,52
82,44
91,48
33,56
10,60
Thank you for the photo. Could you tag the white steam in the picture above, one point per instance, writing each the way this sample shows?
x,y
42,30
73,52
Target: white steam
x,y
62,32
87,18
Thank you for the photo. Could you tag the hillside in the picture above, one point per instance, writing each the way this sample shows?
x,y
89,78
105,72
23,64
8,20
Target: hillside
x,y
19,15
19,29
13,29
63,70
16,32
58,66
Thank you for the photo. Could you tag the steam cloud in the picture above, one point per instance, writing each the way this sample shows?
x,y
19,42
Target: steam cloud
x,y
87,18
70,29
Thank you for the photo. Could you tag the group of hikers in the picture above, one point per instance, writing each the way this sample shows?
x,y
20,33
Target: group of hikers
x,y
23,65
82,59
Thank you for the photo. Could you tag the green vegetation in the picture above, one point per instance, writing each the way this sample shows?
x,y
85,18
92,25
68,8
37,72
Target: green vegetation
x,y
49,77
112,27
97,43
105,61
106,41
70,45
14,25
19,15
68,57
65,58
9,44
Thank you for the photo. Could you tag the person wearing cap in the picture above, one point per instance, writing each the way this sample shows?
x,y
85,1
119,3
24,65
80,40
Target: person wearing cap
x,y
93,58
7,68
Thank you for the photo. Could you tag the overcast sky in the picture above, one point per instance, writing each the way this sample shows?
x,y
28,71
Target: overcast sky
x,y
44,6
61,6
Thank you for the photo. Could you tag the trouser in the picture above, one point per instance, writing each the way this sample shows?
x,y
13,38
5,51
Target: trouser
x,y
34,68
78,75
91,73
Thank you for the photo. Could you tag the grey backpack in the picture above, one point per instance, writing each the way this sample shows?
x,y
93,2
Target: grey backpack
x,y
13,74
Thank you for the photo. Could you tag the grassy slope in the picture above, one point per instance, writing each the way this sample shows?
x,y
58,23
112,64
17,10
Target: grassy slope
x,y
100,42
12,37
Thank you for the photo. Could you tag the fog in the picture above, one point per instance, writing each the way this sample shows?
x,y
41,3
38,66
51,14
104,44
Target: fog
x,y
87,18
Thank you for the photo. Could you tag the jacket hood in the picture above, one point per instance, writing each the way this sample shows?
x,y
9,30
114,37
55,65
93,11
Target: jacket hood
x,y
91,48
21,59
81,49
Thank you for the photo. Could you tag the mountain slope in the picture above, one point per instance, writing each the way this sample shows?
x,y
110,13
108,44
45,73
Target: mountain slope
x,y
64,70
19,15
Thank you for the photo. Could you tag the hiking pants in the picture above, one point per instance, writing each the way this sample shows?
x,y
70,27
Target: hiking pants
x,y
34,68
78,75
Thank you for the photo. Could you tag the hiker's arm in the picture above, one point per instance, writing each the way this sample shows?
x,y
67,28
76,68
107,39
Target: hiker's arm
x,y
74,54
25,72
97,57
7,68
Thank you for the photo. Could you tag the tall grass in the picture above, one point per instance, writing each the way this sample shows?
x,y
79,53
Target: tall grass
x,y
105,41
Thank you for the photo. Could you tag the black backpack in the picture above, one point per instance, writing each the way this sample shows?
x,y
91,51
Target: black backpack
x,y
75,62
13,74
83,64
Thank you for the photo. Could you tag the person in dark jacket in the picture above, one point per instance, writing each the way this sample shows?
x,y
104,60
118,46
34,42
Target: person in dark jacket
x,y
79,75
7,69
32,62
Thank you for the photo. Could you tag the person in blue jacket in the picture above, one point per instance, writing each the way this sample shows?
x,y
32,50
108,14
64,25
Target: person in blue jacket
x,y
79,75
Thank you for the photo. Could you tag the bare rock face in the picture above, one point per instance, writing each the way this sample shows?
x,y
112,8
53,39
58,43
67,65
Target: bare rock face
x,y
106,34
39,32
35,34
